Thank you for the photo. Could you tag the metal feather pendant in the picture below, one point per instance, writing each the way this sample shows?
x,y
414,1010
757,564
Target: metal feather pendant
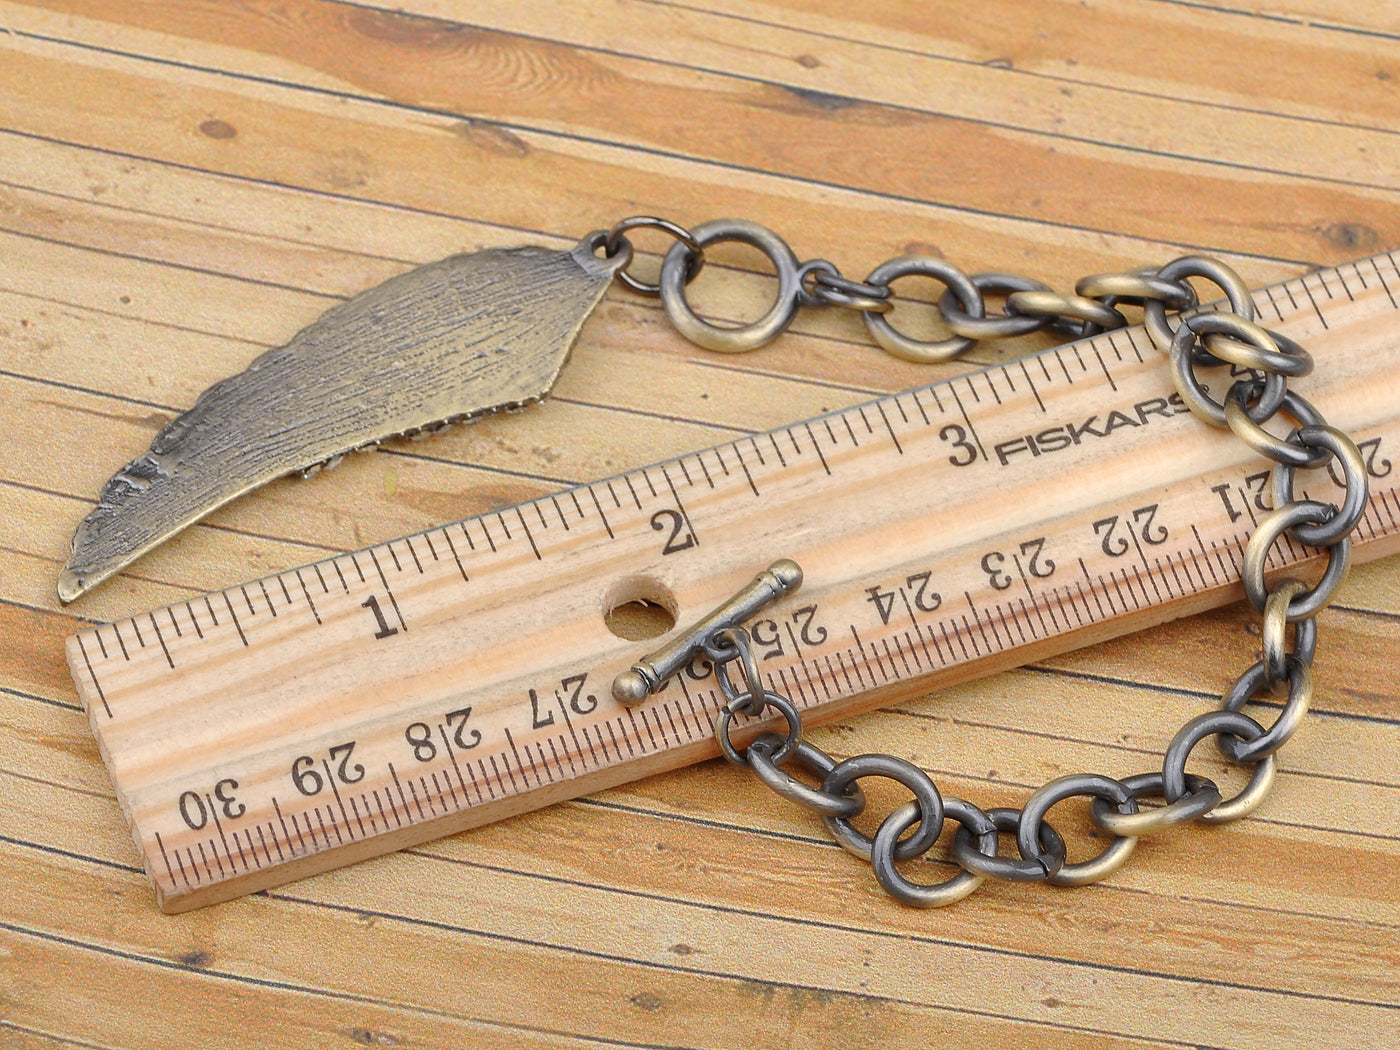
x,y
443,343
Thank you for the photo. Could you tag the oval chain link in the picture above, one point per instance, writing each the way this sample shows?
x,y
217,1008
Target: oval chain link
x,y
1200,340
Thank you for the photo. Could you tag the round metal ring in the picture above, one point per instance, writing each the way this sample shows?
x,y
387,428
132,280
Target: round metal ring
x,y
1249,685
1190,388
1179,750
917,350
1071,307
815,761
726,717
1256,552
829,288
1334,442
1002,326
1286,357
917,894
1202,796
925,791
967,854
1057,790
725,646
616,238
1275,631
1154,314
741,338
1261,441
1137,289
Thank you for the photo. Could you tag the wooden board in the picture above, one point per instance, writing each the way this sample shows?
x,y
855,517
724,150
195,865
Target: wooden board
x,y
184,185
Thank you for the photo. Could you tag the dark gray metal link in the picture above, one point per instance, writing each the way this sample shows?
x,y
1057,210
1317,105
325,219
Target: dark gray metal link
x,y
917,894
1258,349
731,645
738,339
918,350
897,769
1256,553
816,762
1137,289
1154,314
967,852
1000,326
1192,733
823,285
1033,815
1260,440
1194,393
616,239
725,719
1332,441
1070,307
1275,632
1248,686
1202,796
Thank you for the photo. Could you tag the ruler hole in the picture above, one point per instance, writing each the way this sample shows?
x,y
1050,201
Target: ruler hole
x,y
639,607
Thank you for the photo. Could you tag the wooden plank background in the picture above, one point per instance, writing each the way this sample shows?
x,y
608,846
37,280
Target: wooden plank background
x,y
183,185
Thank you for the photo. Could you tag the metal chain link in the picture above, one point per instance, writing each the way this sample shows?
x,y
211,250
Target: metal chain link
x,y
1199,341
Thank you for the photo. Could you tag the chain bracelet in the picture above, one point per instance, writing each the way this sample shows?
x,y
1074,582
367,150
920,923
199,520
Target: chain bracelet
x,y
1200,340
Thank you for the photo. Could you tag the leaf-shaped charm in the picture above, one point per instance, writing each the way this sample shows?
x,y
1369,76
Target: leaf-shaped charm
x,y
442,343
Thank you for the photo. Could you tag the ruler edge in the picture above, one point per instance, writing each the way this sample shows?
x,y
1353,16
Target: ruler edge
x,y
1130,332
330,859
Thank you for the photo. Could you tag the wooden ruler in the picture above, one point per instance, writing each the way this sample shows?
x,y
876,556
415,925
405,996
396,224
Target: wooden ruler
x,y
450,678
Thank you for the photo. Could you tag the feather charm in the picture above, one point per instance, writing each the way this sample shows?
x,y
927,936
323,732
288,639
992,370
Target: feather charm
x,y
446,342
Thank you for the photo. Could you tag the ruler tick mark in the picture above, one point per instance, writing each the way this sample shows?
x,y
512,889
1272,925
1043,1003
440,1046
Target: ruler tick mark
x,y
387,589
817,448
161,638
453,548
601,516
262,585
93,675
1031,383
886,419
228,602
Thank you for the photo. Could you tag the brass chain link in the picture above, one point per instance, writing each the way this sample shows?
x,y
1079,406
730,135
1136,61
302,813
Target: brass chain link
x,y
1200,340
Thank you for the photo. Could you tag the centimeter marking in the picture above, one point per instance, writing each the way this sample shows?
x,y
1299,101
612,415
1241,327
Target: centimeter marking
x,y
438,681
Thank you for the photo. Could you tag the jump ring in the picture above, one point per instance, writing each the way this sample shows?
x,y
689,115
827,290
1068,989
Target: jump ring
x,y
1200,727
725,719
1332,441
1275,629
740,338
616,238
1021,869
1137,289
1195,395
814,760
1003,326
1057,790
1202,796
917,894
1249,685
1154,314
918,350
1256,553
925,791
1261,441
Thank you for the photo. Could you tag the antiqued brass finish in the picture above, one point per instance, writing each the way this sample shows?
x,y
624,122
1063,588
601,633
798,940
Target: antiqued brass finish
x,y
444,343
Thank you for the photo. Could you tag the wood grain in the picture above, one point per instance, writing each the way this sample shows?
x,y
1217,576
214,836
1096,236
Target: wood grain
x,y
182,186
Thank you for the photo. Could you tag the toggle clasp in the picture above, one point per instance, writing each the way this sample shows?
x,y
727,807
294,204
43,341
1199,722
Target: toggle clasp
x,y
648,674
